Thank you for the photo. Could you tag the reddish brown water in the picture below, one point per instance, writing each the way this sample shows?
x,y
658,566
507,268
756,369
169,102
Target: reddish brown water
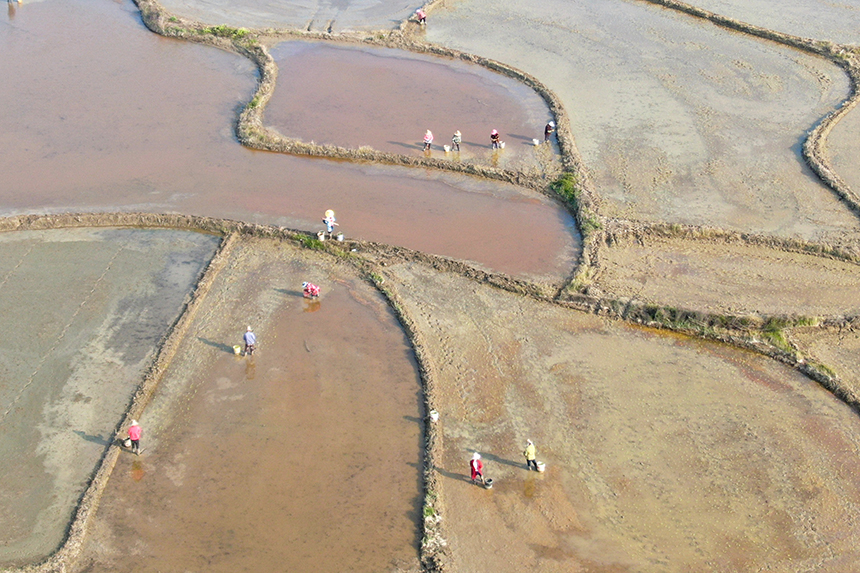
x,y
104,115
402,96
305,457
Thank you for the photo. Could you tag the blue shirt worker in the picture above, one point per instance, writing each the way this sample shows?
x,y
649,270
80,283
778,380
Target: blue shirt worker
x,y
250,342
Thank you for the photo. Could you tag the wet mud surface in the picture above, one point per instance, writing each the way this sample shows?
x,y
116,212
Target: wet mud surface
x,y
677,120
843,147
820,19
730,278
113,117
662,452
304,457
316,15
83,311
838,349
402,96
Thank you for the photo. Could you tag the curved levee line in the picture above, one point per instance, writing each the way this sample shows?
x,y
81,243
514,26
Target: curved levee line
x,y
371,260
252,133
844,56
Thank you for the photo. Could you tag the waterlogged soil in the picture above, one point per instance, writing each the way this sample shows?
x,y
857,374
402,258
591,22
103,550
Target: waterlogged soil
x,y
304,457
729,278
315,15
819,19
113,117
83,312
676,119
402,95
843,148
837,349
663,453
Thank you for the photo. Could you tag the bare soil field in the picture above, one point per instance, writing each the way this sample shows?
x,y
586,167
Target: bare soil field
x,y
304,457
677,120
838,348
403,95
83,312
663,453
843,146
729,278
821,19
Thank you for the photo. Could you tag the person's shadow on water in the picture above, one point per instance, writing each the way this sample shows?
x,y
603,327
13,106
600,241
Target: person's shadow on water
x,y
219,345
91,438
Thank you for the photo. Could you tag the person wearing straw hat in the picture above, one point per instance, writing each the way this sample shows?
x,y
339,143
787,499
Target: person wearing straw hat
x,y
456,141
477,467
310,290
495,139
547,131
530,455
330,222
428,139
134,433
250,342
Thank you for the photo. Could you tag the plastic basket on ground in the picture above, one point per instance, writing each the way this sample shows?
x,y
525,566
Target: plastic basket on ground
x,y
237,350
541,467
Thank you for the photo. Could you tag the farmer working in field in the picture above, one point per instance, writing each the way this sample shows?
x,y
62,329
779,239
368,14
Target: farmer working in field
x,y
250,342
529,454
134,433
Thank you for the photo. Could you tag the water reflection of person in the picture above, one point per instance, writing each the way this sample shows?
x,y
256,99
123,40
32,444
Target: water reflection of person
x,y
12,6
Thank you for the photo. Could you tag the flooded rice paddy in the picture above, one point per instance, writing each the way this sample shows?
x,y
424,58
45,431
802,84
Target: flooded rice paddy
x,y
402,96
304,457
112,117
315,15
83,313
663,453
677,119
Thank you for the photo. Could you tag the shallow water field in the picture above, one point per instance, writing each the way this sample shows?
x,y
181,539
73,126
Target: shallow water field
x,y
402,95
676,119
316,15
116,118
83,312
730,278
663,453
819,19
304,457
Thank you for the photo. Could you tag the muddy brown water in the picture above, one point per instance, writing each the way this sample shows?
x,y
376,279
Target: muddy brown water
x,y
317,15
663,453
305,457
819,19
83,311
114,117
402,96
677,119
